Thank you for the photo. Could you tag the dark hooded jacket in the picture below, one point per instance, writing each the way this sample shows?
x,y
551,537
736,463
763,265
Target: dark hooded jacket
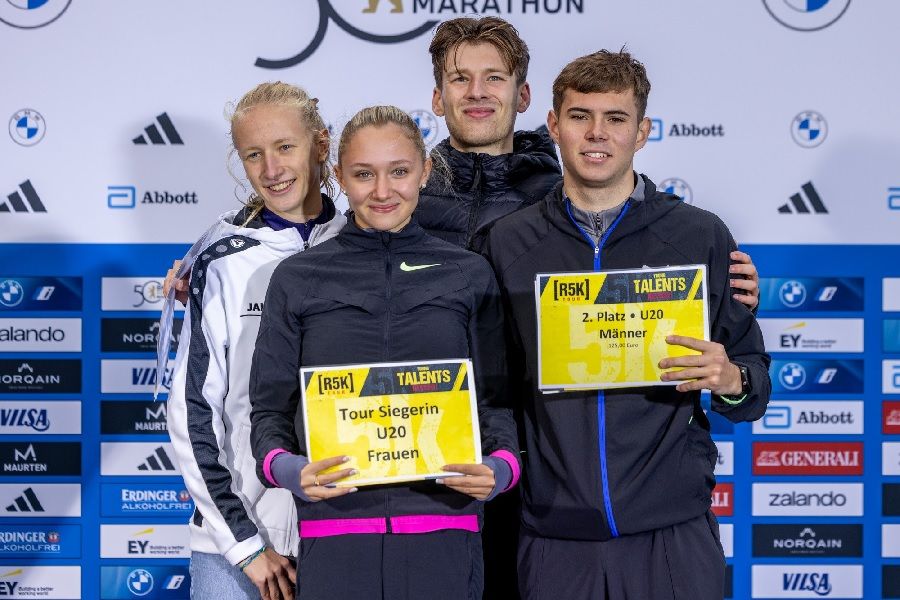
x,y
614,462
460,206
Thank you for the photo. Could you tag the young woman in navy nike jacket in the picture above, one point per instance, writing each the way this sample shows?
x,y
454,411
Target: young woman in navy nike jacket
x,y
354,300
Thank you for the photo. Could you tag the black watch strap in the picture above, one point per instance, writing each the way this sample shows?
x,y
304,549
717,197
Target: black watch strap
x,y
745,378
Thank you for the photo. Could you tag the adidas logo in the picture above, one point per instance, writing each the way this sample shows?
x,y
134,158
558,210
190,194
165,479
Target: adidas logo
x,y
155,137
158,461
17,204
27,502
799,206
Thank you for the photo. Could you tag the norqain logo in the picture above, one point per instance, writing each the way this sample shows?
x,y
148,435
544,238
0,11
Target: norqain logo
x,y
327,13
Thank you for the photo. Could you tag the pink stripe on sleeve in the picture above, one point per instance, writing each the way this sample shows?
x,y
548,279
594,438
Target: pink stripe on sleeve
x,y
267,464
513,464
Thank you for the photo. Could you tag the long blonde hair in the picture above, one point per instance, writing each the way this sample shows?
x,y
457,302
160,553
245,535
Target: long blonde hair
x,y
279,93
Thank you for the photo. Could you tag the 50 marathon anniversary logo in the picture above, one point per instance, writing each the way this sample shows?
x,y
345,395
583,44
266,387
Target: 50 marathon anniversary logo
x,y
398,21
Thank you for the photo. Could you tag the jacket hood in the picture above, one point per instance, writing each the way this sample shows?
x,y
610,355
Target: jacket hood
x,y
533,153
655,206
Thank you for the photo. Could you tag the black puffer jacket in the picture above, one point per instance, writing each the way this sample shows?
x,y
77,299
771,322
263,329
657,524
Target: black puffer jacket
x,y
484,188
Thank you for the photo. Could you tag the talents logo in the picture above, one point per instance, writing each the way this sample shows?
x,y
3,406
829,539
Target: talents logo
x,y
135,335
807,540
809,499
807,458
677,187
119,417
809,129
806,15
29,418
36,459
40,375
31,14
27,127
31,203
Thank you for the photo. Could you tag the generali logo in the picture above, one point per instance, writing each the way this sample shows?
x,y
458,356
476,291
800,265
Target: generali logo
x,y
807,458
723,500
890,417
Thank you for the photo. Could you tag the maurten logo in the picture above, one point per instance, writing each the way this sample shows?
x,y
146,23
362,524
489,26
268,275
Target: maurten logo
x,y
809,129
27,502
327,14
797,205
30,14
16,203
27,127
158,461
152,133
806,15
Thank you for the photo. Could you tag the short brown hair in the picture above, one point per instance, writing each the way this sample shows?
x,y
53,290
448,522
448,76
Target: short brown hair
x,y
488,30
603,71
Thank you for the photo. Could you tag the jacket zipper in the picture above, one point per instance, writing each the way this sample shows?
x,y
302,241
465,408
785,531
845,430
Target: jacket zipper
x,y
601,396
385,239
476,203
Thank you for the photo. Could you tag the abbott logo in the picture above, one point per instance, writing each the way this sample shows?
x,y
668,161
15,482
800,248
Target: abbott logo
x,y
30,203
152,133
798,206
120,196
805,417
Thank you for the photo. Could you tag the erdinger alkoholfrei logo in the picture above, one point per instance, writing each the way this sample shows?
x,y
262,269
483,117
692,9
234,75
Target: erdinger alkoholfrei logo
x,y
327,13
428,125
678,187
30,14
806,15
27,127
809,129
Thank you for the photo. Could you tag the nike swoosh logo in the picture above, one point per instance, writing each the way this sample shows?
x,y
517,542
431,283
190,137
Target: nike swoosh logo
x,y
406,267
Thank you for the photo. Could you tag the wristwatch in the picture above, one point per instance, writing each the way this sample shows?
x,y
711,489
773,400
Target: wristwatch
x,y
745,378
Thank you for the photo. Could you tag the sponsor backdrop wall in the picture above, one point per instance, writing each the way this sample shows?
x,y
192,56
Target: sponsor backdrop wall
x,y
775,114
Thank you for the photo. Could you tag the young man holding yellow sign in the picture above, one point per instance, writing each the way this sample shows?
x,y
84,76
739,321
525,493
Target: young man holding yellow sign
x,y
617,482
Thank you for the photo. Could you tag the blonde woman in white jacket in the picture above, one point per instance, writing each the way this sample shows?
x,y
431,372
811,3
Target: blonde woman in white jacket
x,y
242,534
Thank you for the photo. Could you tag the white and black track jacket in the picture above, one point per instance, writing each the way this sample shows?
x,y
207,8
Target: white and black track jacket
x,y
209,404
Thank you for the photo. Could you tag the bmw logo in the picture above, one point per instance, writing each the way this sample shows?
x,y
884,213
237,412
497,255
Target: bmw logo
x,y
792,293
428,125
140,582
809,129
31,14
806,15
792,376
677,187
11,293
27,127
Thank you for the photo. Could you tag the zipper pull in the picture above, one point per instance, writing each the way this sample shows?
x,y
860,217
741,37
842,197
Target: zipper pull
x,y
596,252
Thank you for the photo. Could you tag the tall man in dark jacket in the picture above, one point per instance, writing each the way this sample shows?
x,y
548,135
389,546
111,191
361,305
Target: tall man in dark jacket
x,y
617,484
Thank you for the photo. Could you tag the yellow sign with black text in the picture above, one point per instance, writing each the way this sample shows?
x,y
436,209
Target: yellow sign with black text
x,y
608,329
396,421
